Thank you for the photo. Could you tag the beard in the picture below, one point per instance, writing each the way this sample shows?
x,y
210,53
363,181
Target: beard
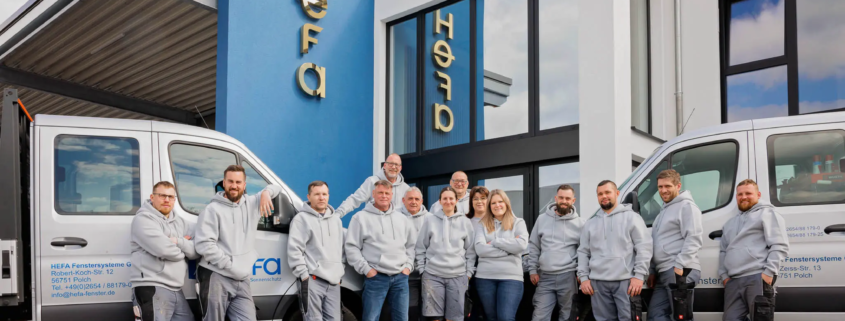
x,y
164,210
745,206
563,208
234,198
607,206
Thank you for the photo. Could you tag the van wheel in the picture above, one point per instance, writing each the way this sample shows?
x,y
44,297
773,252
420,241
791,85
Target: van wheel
x,y
345,315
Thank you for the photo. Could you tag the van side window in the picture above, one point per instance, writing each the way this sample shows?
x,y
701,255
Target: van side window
x,y
707,171
197,171
97,175
804,168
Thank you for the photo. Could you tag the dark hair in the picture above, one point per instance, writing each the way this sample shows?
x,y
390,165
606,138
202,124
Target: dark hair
x,y
163,184
316,184
566,187
476,190
449,189
607,181
670,174
234,168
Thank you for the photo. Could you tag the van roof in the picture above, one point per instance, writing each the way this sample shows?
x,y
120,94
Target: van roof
x,y
764,123
131,124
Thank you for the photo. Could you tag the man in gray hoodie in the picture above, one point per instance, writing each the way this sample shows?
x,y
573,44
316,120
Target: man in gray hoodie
x,y
614,256
677,235
161,241
315,255
415,211
391,172
225,238
553,256
379,245
460,183
753,244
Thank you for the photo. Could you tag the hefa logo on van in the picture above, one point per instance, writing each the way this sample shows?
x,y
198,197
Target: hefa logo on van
x,y
271,266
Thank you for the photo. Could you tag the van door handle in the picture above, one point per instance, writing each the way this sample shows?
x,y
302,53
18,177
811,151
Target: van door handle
x,y
715,234
835,228
68,241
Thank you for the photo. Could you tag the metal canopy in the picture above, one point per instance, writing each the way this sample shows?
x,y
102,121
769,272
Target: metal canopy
x,y
150,58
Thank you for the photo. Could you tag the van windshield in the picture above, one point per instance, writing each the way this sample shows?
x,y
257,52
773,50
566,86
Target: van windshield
x,y
640,168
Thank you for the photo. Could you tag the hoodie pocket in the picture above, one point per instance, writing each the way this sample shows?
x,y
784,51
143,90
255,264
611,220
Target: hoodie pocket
x,y
329,270
672,248
553,261
151,264
242,264
391,262
739,260
610,267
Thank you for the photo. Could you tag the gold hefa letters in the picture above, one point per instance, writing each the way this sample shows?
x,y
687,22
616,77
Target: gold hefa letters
x,y
442,55
309,7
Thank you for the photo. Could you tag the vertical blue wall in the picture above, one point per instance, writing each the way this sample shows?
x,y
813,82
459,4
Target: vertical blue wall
x,y
302,138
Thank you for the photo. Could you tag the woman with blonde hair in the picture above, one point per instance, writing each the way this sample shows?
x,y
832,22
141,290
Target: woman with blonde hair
x,y
500,240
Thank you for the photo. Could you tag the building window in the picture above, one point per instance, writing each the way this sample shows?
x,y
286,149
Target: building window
x,y
403,87
782,58
97,175
552,176
505,108
805,167
558,63
640,64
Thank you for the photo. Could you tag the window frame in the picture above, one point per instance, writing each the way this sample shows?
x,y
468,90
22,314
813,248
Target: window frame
x,y
137,160
771,173
672,153
788,59
533,52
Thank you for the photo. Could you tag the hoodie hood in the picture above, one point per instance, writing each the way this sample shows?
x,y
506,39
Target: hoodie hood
x,y
399,178
423,211
306,208
761,205
147,209
550,211
683,196
619,209
371,208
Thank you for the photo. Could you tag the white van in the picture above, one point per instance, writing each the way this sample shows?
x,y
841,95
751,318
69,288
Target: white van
x,y
799,164
86,178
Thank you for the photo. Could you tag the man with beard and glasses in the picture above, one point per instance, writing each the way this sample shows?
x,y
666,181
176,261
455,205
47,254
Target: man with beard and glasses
x,y
225,237
552,256
389,172
163,238
315,253
460,183
677,235
614,255
753,244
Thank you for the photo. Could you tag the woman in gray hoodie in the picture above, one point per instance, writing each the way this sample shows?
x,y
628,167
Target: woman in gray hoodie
x,y
445,259
500,240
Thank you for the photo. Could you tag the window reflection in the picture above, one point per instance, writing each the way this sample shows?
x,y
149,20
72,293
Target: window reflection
x,y
555,175
513,187
403,87
756,30
757,94
198,170
821,59
559,63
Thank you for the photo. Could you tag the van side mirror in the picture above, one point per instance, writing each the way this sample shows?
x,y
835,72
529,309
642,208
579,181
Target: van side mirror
x,y
283,212
632,199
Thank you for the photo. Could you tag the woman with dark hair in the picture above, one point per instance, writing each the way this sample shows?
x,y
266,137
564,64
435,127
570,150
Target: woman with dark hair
x,y
500,240
477,203
446,259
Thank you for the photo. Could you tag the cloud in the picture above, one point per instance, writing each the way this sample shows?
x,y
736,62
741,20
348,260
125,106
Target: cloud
x,y
738,113
759,35
816,106
765,79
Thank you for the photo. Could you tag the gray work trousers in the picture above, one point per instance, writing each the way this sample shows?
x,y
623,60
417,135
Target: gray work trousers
x,y
319,299
611,300
155,303
739,297
554,290
660,307
222,297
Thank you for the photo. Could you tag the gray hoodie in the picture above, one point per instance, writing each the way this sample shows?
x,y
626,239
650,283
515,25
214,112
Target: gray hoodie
x,y
444,246
502,258
365,193
156,261
753,242
614,246
226,233
677,234
417,219
463,204
553,246
315,245
380,240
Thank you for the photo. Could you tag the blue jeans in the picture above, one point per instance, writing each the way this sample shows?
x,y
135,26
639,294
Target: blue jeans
x,y
392,287
499,298
660,308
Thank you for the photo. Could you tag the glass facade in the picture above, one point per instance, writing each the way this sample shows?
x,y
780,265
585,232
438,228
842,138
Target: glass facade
x,y
552,176
756,30
403,88
757,94
821,55
513,187
559,60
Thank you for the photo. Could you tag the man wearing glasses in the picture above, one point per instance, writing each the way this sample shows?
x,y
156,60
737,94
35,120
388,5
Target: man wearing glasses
x,y
160,241
390,172
460,183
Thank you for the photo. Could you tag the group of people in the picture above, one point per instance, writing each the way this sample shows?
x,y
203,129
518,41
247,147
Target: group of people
x,y
469,242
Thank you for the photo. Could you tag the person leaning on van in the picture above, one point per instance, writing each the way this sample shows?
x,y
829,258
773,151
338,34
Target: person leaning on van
x,y
677,234
160,242
380,245
315,255
613,256
225,237
445,259
753,244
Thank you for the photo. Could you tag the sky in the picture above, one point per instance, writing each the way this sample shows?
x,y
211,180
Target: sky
x,y
757,32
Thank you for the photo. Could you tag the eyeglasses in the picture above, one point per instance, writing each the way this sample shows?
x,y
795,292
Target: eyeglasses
x,y
460,181
391,164
165,196
483,200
